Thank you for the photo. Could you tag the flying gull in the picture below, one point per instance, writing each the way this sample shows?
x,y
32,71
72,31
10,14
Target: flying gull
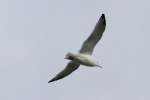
x,y
84,55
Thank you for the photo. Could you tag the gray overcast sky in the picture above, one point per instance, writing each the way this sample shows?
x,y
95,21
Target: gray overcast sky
x,y
36,34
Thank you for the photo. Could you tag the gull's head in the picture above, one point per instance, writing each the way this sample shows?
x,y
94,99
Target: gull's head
x,y
69,56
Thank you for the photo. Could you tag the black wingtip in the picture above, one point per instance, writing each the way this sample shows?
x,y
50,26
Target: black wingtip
x,y
54,79
103,16
51,81
103,19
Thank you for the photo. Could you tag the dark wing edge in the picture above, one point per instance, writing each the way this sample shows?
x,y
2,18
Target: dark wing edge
x,y
71,66
91,41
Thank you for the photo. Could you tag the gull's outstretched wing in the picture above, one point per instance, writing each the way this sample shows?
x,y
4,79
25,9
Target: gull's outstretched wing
x,y
72,66
89,44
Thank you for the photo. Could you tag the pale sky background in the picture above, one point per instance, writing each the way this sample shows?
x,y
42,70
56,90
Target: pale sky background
x,y
35,35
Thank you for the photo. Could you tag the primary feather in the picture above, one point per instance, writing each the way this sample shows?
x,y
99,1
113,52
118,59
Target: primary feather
x,y
91,41
72,66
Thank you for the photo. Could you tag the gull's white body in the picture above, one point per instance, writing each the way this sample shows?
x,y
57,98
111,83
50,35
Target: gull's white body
x,y
84,56
85,59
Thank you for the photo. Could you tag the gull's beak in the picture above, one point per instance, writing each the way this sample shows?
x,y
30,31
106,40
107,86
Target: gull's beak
x,y
65,57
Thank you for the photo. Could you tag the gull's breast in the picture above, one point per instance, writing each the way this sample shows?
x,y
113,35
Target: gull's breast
x,y
85,60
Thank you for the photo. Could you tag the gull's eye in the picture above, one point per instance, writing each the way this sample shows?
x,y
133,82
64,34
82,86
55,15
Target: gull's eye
x,y
70,58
